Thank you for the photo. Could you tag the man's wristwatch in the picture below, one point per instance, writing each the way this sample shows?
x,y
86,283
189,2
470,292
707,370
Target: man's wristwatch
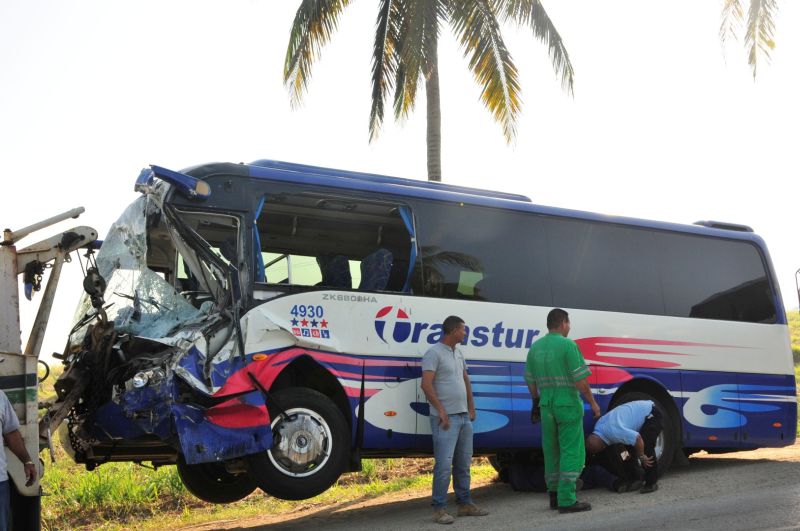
x,y
26,463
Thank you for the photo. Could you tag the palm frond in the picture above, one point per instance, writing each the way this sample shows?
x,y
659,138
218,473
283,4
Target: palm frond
x,y
384,62
410,58
760,30
313,25
477,28
732,15
405,92
532,13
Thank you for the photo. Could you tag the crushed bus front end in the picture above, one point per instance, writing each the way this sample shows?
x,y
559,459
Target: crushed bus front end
x,y
156,339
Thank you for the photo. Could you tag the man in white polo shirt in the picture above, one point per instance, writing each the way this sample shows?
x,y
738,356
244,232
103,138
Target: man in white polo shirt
x,y
446,386
9,424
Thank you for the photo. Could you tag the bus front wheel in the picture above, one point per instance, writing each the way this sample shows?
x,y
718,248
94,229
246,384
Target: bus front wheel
x,y
310,445
669,439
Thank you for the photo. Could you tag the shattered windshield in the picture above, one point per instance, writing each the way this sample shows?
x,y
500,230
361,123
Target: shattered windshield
x,y
154,280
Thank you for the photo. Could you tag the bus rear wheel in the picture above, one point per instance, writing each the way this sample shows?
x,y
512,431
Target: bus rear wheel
x,y
211,482
309,450
668,440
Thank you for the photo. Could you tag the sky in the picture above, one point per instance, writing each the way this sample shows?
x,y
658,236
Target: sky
x,y
665,123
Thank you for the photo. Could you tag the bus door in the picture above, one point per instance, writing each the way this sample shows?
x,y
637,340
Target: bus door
x,y
391,408
710,410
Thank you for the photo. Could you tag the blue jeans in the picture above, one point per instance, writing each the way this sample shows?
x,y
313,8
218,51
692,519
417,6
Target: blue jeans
x,y
452,453
5,504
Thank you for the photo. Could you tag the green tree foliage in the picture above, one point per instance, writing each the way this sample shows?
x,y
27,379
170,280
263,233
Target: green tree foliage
x,y
405,52
760,28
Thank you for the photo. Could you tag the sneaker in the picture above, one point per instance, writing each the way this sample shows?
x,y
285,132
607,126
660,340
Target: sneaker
x,y
441,516
470,509
635,485
647,489
553,500
576,507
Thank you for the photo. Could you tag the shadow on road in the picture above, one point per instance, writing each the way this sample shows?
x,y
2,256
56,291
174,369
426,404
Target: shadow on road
x,y
705,474
418,505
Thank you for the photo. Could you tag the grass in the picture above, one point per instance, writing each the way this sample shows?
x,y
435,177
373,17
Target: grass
x,y
123,495
794,334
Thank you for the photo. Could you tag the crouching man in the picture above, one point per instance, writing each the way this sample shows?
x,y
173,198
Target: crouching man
x,y
635,424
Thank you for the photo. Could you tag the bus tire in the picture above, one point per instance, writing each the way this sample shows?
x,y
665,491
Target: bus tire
x,y
212,483
669,440
310,446
500,464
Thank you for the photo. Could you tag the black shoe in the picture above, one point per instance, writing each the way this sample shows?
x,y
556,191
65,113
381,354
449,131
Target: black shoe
x,y
576,507
619,486
647,489
553,500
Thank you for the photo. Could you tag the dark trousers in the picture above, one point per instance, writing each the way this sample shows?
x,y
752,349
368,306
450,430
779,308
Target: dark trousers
x,y
626,468
619,461
649,432
5,504
595,476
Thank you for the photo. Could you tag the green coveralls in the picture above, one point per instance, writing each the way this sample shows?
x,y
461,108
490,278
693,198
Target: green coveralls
x,y
554,364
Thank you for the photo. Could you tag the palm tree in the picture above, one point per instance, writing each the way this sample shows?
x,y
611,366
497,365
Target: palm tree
x,y
406,50
759,36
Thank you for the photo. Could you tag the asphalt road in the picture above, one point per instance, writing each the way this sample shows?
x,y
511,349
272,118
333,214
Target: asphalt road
x,y
748,490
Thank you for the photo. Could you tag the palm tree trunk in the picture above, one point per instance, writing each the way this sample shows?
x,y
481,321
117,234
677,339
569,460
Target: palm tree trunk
x,y
434,137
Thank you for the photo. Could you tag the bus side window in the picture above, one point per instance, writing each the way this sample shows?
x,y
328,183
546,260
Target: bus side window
x,y
306,239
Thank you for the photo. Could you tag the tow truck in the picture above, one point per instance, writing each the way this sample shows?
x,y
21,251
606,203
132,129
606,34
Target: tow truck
x,y
19,368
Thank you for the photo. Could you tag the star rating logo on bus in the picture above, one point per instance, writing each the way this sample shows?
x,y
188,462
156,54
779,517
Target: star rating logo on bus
x,y
395,324
309,321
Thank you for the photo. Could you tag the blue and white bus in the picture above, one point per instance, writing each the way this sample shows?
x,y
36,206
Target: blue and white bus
x,y
262,325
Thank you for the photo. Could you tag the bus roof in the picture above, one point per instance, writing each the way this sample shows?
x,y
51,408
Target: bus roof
x,y
329,172
381,184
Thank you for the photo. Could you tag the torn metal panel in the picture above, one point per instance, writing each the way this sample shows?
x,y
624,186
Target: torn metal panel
x,y
149,407
111,421
202,441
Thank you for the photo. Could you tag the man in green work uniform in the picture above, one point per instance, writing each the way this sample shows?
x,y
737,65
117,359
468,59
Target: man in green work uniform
x,y
555,371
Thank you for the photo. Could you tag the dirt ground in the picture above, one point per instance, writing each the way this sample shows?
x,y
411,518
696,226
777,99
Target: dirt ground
x,y
706,475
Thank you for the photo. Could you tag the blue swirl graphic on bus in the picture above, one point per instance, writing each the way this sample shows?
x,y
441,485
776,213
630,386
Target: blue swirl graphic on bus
x,y
722,406
488,413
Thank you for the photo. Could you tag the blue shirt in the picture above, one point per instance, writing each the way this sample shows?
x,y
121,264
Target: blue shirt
x,y
622,424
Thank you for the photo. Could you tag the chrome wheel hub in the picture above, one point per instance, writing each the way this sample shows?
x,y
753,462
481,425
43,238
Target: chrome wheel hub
x,y
301,442
659,446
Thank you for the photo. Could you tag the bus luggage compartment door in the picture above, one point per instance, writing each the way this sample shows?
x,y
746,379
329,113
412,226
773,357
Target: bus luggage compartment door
x,y
711,416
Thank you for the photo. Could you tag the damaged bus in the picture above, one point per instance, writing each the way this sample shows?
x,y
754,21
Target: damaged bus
x,y
262,325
